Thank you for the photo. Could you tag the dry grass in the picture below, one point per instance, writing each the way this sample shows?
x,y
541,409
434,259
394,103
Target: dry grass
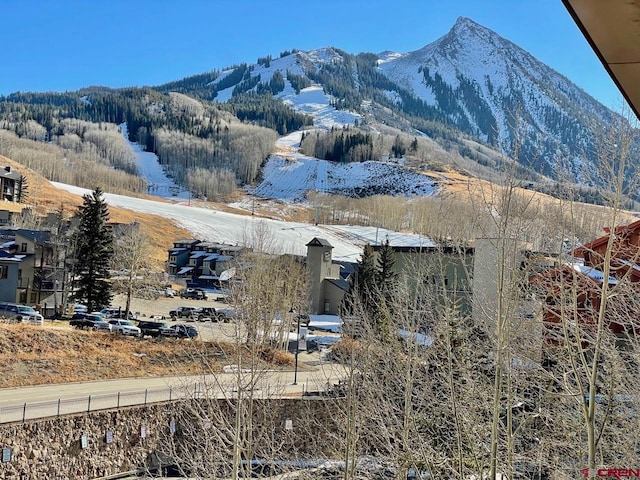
x,y
34,355
31,355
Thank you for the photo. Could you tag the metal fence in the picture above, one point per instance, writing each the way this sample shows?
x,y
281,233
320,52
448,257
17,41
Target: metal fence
x,y
91,403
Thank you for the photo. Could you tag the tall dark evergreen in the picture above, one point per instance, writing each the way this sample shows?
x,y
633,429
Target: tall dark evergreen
x,y
22,190
94,249
386,275
368,292
366,276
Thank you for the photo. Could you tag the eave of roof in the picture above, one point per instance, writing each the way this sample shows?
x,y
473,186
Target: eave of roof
x,y
612,29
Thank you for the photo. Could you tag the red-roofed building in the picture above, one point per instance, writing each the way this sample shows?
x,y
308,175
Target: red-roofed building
x,y
573,291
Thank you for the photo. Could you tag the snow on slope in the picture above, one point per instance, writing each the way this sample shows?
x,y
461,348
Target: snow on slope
x,y
290,176
150,169
311,100
494,71
288,237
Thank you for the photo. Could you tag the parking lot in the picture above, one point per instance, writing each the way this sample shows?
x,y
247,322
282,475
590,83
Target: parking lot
x,y
158,309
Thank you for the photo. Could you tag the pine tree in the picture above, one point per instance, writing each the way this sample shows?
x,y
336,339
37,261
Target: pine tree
x,y
367,288
398,149
385,274
366,276
382,316
94,249
22,189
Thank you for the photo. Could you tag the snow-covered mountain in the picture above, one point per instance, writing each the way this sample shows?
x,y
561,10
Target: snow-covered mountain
x,y
470,93
483,83
471,80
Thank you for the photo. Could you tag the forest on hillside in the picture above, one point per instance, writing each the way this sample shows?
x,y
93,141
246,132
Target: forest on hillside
x,y
209,148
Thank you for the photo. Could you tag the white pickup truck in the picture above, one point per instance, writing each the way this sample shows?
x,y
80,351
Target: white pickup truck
x,y
13,312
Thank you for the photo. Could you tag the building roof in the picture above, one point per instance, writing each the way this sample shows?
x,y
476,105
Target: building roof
x,y
37,236
340,283
319,242
7,257
190,241
612,28
620,230
6,172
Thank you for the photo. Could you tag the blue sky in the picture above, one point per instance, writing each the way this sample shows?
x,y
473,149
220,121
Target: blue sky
x,y
68,44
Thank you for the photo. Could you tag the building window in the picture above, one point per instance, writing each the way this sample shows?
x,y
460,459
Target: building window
x,y
4,272
23,247
327,305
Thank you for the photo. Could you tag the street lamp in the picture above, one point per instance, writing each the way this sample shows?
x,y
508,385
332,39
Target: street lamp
x,y
295,371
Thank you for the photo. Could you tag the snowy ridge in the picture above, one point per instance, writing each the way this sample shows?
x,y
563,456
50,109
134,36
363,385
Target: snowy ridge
x,y
489,77
311,100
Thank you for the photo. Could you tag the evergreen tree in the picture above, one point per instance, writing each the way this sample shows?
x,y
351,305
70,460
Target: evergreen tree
x,y
398,149
367,289
94,249
366,276
385,273
382,316
364,284
22,189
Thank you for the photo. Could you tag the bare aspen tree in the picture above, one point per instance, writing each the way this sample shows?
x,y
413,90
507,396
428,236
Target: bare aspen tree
x,y
590,306
500,274
131,255
66,166
232,420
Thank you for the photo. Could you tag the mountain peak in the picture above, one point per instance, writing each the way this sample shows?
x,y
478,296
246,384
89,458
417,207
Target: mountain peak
x,y
464,22
465,27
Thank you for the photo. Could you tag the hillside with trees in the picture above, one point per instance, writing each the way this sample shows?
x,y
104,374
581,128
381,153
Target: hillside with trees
x,y
68,136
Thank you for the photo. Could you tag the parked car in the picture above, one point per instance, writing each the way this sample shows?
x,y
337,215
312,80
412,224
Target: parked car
x,y
79,308
226,314
181,331
151,328
182,312
194,293
116,313
103,326
211,314
20,313
124,327
205,314
87,320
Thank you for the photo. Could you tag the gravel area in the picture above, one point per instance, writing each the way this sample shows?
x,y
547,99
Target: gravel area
x,y
146,307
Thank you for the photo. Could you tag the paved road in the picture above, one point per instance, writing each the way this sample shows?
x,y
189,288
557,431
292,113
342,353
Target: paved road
x,y
40,401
